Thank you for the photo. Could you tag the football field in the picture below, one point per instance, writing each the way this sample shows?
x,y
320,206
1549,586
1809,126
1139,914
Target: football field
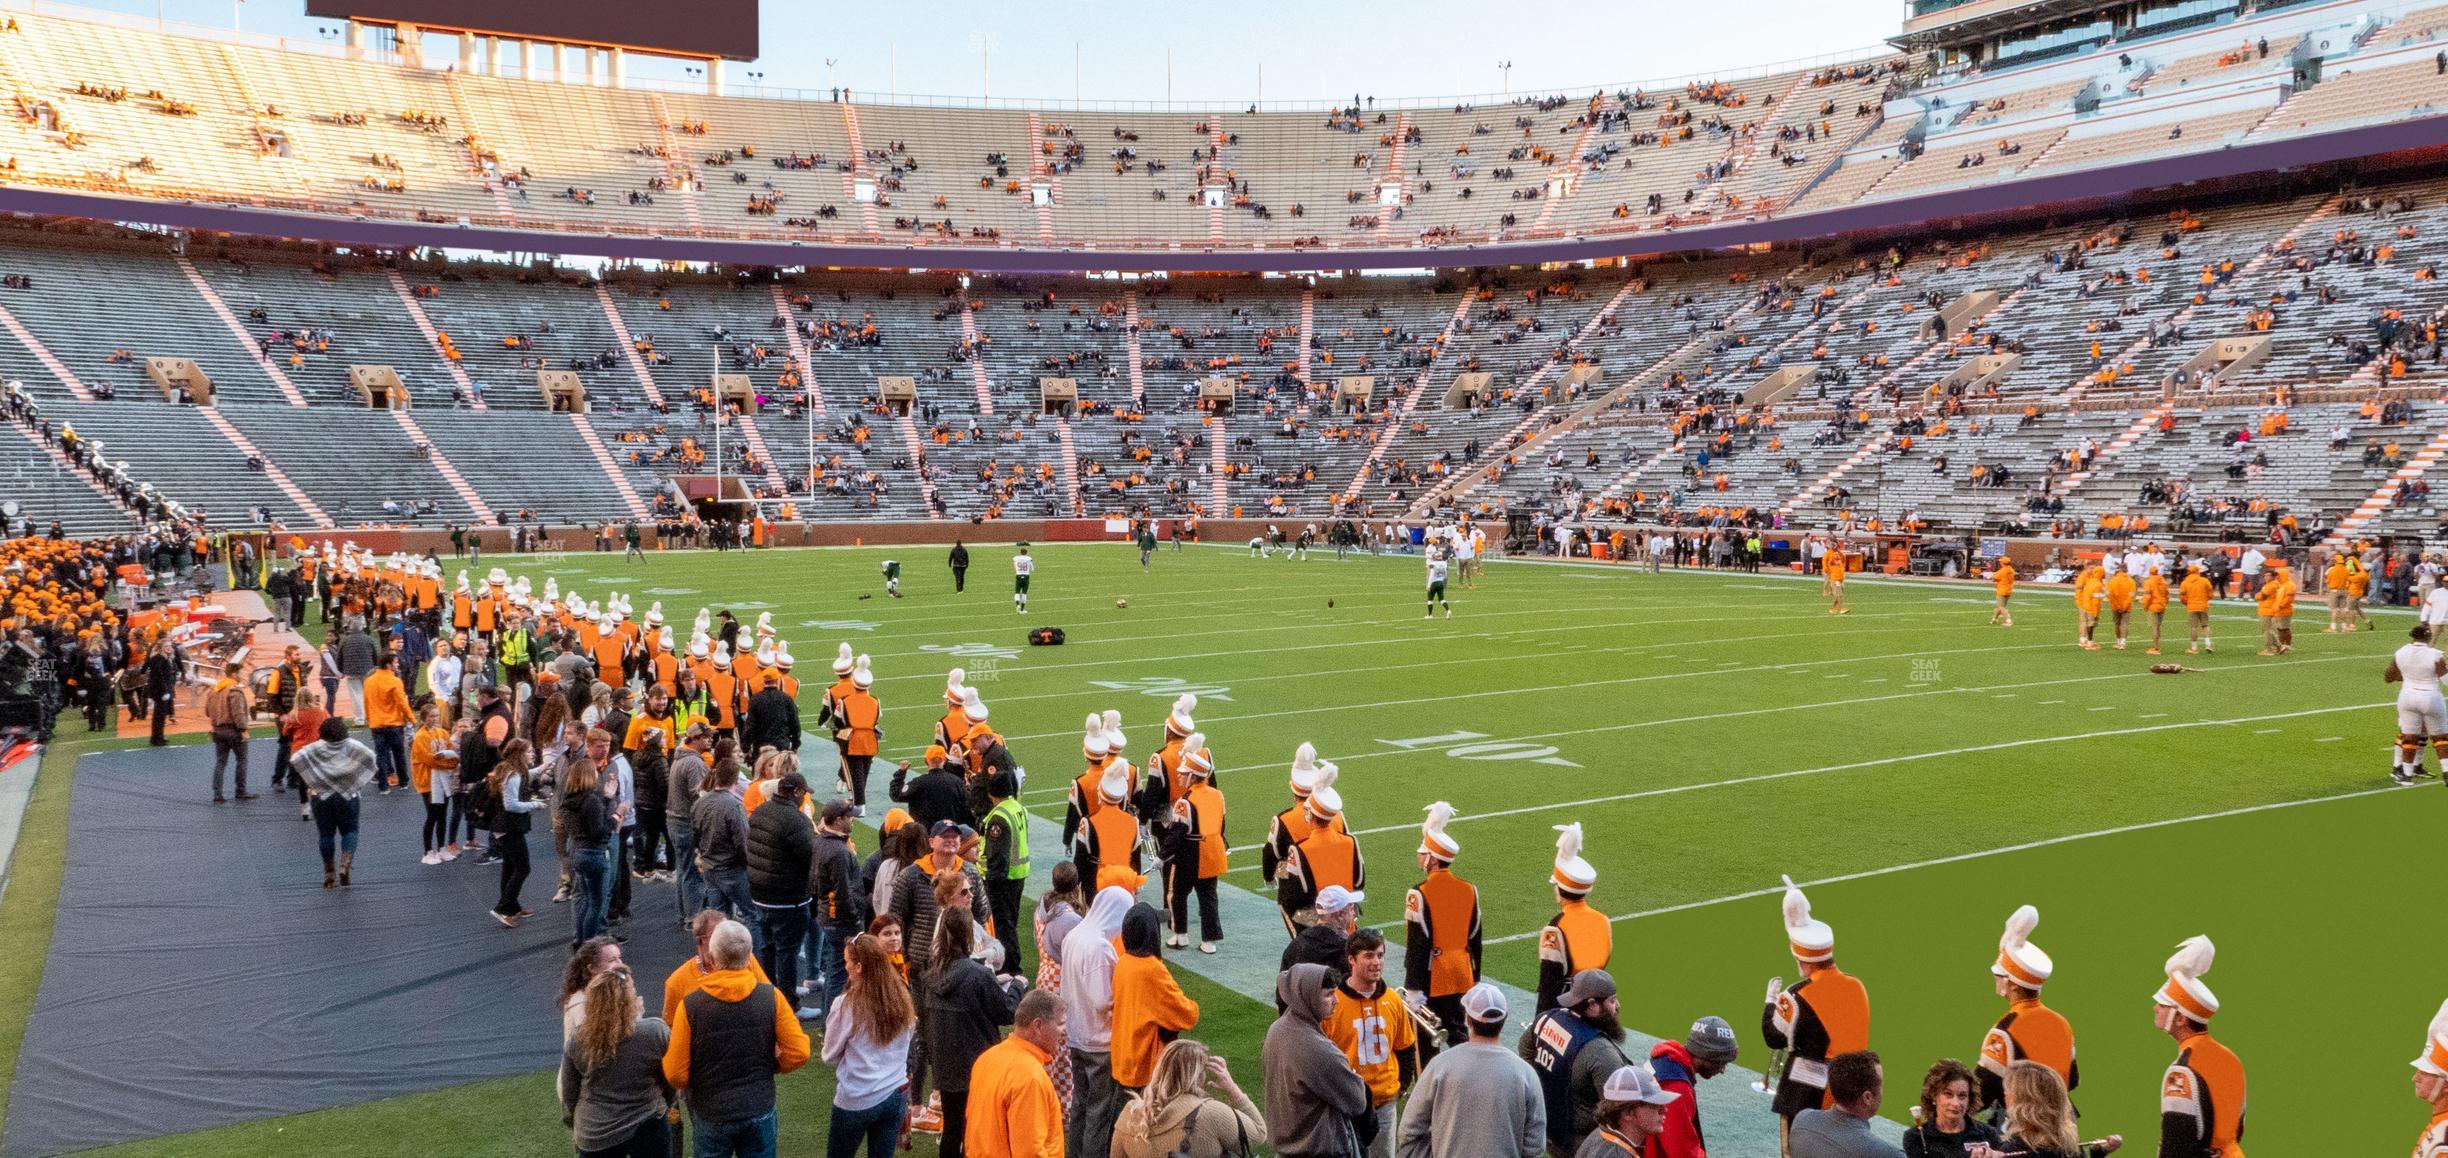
x,y
1922,772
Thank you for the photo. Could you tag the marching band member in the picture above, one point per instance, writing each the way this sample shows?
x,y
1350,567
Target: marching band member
x,y
1288,829
1825,1014
952,725
1578,937
828,709
1086,788
2201,1100
1164,766
861,733
1111,836
1191,833
2431,1085
1441,949
2030,1031
1328,855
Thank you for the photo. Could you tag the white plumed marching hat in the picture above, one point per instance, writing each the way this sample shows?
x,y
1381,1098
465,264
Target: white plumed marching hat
x,y
1433,840
1813,942
859,675
1324,801
1572,874
842,661
1179,723
2434,1059
2184,990
2019,960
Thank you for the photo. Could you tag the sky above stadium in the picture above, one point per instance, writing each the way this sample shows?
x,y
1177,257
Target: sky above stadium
x,y
1281,50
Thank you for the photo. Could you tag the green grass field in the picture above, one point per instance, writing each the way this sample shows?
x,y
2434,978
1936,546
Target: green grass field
x,y
1709,731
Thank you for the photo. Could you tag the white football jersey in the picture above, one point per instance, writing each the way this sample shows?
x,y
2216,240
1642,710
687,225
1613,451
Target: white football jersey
x,y
1022,565
2419,664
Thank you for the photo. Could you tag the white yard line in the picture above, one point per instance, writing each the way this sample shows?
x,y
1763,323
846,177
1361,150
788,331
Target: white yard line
x,y
1880,762
1959,858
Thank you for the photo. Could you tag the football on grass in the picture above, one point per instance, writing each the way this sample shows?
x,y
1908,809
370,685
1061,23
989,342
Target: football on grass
x,y
1121,603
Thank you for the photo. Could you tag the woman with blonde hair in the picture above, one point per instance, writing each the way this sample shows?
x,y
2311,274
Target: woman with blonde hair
x,y
613,1096
867,1041
2040,1117
1181,1113
771,766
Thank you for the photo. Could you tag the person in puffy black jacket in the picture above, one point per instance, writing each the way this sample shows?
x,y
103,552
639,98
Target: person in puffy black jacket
x,y
781,846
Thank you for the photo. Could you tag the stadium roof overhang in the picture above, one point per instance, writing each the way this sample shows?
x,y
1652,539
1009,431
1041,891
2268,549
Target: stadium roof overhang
x,y
2392,144
1981,19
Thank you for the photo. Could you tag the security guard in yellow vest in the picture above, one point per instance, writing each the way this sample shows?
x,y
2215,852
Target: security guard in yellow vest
x,y
1006,868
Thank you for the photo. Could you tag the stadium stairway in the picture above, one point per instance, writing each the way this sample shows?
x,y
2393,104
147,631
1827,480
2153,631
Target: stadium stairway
x,y
442,466
297,496
1410,402
39,479
2385,495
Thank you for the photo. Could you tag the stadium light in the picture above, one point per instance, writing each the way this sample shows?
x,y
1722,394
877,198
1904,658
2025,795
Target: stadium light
x,y
1506,67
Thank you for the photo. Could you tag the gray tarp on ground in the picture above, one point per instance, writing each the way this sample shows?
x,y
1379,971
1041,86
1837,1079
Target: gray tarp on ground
x,y
200,975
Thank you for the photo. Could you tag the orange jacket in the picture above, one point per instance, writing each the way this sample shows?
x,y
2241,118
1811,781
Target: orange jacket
x,y
422,759
1012,1109
386,703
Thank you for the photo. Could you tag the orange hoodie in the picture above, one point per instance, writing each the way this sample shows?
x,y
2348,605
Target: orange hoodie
x,y
1147,1002
790,1041
685,980
1012,1109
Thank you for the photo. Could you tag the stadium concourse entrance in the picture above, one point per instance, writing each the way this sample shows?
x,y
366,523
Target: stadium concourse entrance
x,y
723,499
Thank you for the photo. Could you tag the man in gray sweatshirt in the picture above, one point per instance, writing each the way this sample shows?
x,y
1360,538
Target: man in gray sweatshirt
x,y
1478,1099
683,785
718,826
1314,1101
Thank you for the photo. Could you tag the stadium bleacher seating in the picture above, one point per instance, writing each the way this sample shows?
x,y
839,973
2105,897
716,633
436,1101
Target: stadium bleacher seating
x,y
1605,390
106,106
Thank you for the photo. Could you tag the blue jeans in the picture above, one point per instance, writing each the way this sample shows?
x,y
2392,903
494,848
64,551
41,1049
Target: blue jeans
x,y
737,1138
727,889
832,972
879,1126
335,823
780,931
684,870
390,757
590,891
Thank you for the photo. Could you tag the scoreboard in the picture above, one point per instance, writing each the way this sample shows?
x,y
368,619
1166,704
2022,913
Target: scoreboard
x,y
709,29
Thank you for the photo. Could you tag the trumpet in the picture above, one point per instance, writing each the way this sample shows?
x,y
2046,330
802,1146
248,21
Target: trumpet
x,y
1768,1077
